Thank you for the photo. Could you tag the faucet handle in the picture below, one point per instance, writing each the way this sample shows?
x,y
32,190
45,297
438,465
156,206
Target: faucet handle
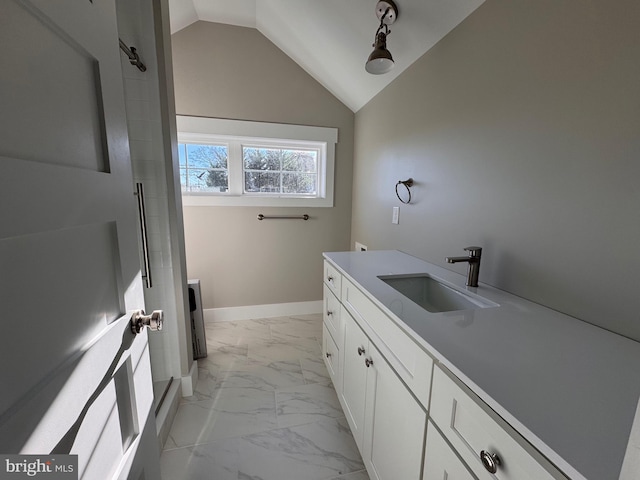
x,y
473,251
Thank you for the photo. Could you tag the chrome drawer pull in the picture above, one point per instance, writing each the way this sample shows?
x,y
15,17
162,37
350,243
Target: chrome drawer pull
x,y
360,351
368,362
329,313
328,355
330,278
491,461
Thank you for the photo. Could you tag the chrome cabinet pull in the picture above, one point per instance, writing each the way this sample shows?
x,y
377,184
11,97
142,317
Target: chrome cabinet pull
x,y
328,355
491,461
330,279
368,362
329,313
143,234
360,351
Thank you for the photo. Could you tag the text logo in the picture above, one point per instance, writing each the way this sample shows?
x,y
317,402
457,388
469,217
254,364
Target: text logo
x,y
49,467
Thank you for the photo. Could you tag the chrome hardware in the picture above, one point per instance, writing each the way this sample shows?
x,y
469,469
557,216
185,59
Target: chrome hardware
x,y
404,198
143,233
134,58
139,320
360,351
368,362
474,264
328,355
329,313
491,461
330,279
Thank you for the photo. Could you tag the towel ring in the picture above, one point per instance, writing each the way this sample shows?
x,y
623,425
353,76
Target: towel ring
x,y
407,183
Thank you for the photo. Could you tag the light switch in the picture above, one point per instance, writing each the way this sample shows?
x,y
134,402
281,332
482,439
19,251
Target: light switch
x,y
395,218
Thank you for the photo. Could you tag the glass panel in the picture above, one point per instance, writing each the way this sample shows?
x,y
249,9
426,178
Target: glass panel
x,y
299,161
207,156
261,158
217,180
203,168
304,183
182,155
183,179
195,180
261,182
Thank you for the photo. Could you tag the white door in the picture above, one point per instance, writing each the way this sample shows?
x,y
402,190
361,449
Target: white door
x,y
73,377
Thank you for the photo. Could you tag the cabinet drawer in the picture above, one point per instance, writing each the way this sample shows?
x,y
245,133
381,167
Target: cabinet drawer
x,y
332,278
331,356
472,428
411,363
440,461
332,317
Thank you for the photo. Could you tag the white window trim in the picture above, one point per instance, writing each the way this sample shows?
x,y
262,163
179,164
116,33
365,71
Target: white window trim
x,y
210,129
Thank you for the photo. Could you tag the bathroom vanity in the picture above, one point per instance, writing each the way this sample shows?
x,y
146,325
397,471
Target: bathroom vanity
x,y
442,381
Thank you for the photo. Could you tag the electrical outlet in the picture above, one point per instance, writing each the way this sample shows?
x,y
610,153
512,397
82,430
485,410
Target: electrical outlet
x,y
360,247
395,218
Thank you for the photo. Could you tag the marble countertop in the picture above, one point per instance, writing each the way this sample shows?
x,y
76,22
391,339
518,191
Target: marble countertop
x,y
569,387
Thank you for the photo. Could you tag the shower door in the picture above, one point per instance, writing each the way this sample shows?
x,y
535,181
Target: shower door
x,y
74,378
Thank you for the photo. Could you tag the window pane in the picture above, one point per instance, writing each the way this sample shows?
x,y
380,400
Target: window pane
x,y
182,155
207,156
299,161
261,158
261,182
217,180
303,183
183,179
196,181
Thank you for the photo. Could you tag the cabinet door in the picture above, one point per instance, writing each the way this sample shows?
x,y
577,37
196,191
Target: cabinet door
x,y
331,356
440,461
394,424
354,377
331,317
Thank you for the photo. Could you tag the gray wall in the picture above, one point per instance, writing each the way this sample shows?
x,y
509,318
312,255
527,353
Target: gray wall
x,y
522,131
233,72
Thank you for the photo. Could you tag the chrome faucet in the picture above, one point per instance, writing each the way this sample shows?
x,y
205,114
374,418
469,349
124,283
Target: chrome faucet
x,y
474,264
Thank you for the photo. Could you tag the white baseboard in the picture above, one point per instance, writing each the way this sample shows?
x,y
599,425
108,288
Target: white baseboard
x,y
190,381
230,314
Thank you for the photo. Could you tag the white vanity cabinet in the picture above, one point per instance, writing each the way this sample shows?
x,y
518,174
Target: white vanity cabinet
x,y
491,448
332,328
387,422
394,425
386,419
497,392
440,461
353,391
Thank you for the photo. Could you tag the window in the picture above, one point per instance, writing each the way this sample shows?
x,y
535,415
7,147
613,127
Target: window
x,y
204,168
229,162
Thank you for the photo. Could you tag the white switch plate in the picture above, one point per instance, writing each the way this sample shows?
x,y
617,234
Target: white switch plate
x,y
395,218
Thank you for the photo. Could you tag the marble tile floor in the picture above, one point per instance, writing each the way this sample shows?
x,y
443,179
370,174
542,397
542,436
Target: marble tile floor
x,y
264,409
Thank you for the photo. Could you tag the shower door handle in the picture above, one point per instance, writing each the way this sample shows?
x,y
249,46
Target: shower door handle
x,y
144,238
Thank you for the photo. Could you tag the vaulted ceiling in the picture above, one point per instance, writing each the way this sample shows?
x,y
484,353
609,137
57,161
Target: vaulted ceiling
x,y
331,39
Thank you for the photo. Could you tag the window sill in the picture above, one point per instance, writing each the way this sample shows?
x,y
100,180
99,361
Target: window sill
x,y
252,201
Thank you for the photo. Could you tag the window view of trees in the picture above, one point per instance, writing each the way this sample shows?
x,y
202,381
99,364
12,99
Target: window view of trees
x,y
204,168
276,170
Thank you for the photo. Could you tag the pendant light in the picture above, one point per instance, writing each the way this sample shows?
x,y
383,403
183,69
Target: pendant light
x,y
380,61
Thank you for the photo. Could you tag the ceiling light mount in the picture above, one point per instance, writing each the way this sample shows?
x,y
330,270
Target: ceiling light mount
x,y
380,61
389,8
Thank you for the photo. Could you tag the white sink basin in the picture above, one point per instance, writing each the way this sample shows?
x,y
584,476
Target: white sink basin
x,y
433,295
